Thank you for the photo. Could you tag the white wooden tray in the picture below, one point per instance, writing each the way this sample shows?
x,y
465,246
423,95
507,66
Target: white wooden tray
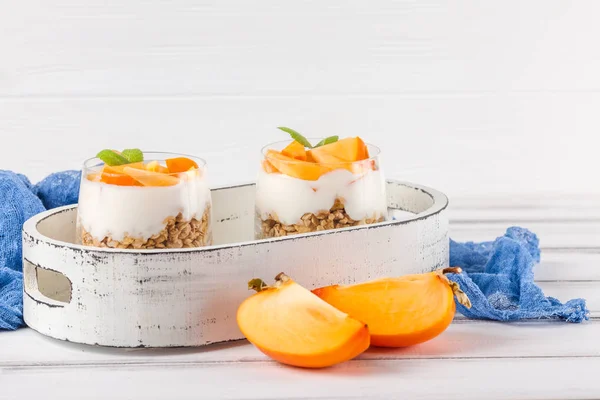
x,y
189,297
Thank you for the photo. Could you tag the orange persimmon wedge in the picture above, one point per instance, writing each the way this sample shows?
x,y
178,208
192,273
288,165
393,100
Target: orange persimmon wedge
x,y
155,166
295,150
180,164
293,326
305,170
115,175
269,168
329,160
400,311
149,178
348,149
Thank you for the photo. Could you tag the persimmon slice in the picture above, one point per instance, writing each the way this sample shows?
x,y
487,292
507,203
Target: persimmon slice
x,y
348,149
155,166
180,164
295,150
268,167
400,311
330,161
115,175
293,326
149,178
296,168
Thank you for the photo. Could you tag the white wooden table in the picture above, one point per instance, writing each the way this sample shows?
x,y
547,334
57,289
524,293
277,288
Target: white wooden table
x,y
472,359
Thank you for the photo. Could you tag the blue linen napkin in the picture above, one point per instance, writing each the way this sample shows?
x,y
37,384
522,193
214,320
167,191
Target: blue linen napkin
x,y
498,277
20,200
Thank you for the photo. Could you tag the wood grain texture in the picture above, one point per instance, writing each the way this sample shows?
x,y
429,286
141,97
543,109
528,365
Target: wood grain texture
x,y
463,145
233,47
510,378
464,339
477,99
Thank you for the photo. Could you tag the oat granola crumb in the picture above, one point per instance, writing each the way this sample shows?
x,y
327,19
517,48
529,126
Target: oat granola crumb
x,y
176,234
334,218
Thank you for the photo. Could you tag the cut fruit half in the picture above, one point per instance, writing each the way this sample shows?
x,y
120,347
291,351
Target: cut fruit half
x,y
149,178
400,311
296,168
293,326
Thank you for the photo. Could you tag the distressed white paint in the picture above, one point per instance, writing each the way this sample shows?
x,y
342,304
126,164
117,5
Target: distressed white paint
x,y
189,297
550,360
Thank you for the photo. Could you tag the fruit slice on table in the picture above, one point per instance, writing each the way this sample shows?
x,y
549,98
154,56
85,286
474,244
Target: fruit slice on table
x,y
149,178
348,149
296,168
295,150
180,164
400,311
293,326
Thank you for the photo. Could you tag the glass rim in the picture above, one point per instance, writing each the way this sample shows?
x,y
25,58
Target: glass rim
x,y
271,146
98,162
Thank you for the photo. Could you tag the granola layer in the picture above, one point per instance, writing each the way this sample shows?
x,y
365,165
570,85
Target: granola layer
x,y
334,218
178,233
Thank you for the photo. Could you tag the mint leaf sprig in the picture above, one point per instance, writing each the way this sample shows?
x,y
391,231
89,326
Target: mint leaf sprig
x,y
127,156
303,141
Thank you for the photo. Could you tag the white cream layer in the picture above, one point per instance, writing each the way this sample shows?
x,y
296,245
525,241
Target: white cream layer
x,y
137,211
290,198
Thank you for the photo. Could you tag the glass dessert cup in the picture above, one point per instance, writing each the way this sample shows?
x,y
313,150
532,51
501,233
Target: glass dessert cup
x,y
294,196
162,202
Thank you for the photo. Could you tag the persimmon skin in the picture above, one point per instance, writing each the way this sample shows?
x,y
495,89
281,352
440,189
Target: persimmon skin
x,y
280,322
427,315
417,338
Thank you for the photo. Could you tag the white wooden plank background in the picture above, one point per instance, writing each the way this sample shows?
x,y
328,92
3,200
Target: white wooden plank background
x,y
471,98
493,103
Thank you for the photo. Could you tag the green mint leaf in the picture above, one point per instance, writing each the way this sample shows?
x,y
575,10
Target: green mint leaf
x,y
133,155
296,136
111,158
328,140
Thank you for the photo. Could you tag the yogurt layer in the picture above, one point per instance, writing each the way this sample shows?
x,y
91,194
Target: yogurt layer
x,y
137,211
290,198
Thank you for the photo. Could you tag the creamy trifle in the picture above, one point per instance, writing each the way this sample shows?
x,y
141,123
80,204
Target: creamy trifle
x,y
303,188
136,200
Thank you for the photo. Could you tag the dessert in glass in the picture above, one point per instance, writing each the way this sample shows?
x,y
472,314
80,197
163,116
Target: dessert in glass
x,y
303,188
144,200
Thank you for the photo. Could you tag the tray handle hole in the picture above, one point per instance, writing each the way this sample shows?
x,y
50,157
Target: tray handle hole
x,y
49,283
